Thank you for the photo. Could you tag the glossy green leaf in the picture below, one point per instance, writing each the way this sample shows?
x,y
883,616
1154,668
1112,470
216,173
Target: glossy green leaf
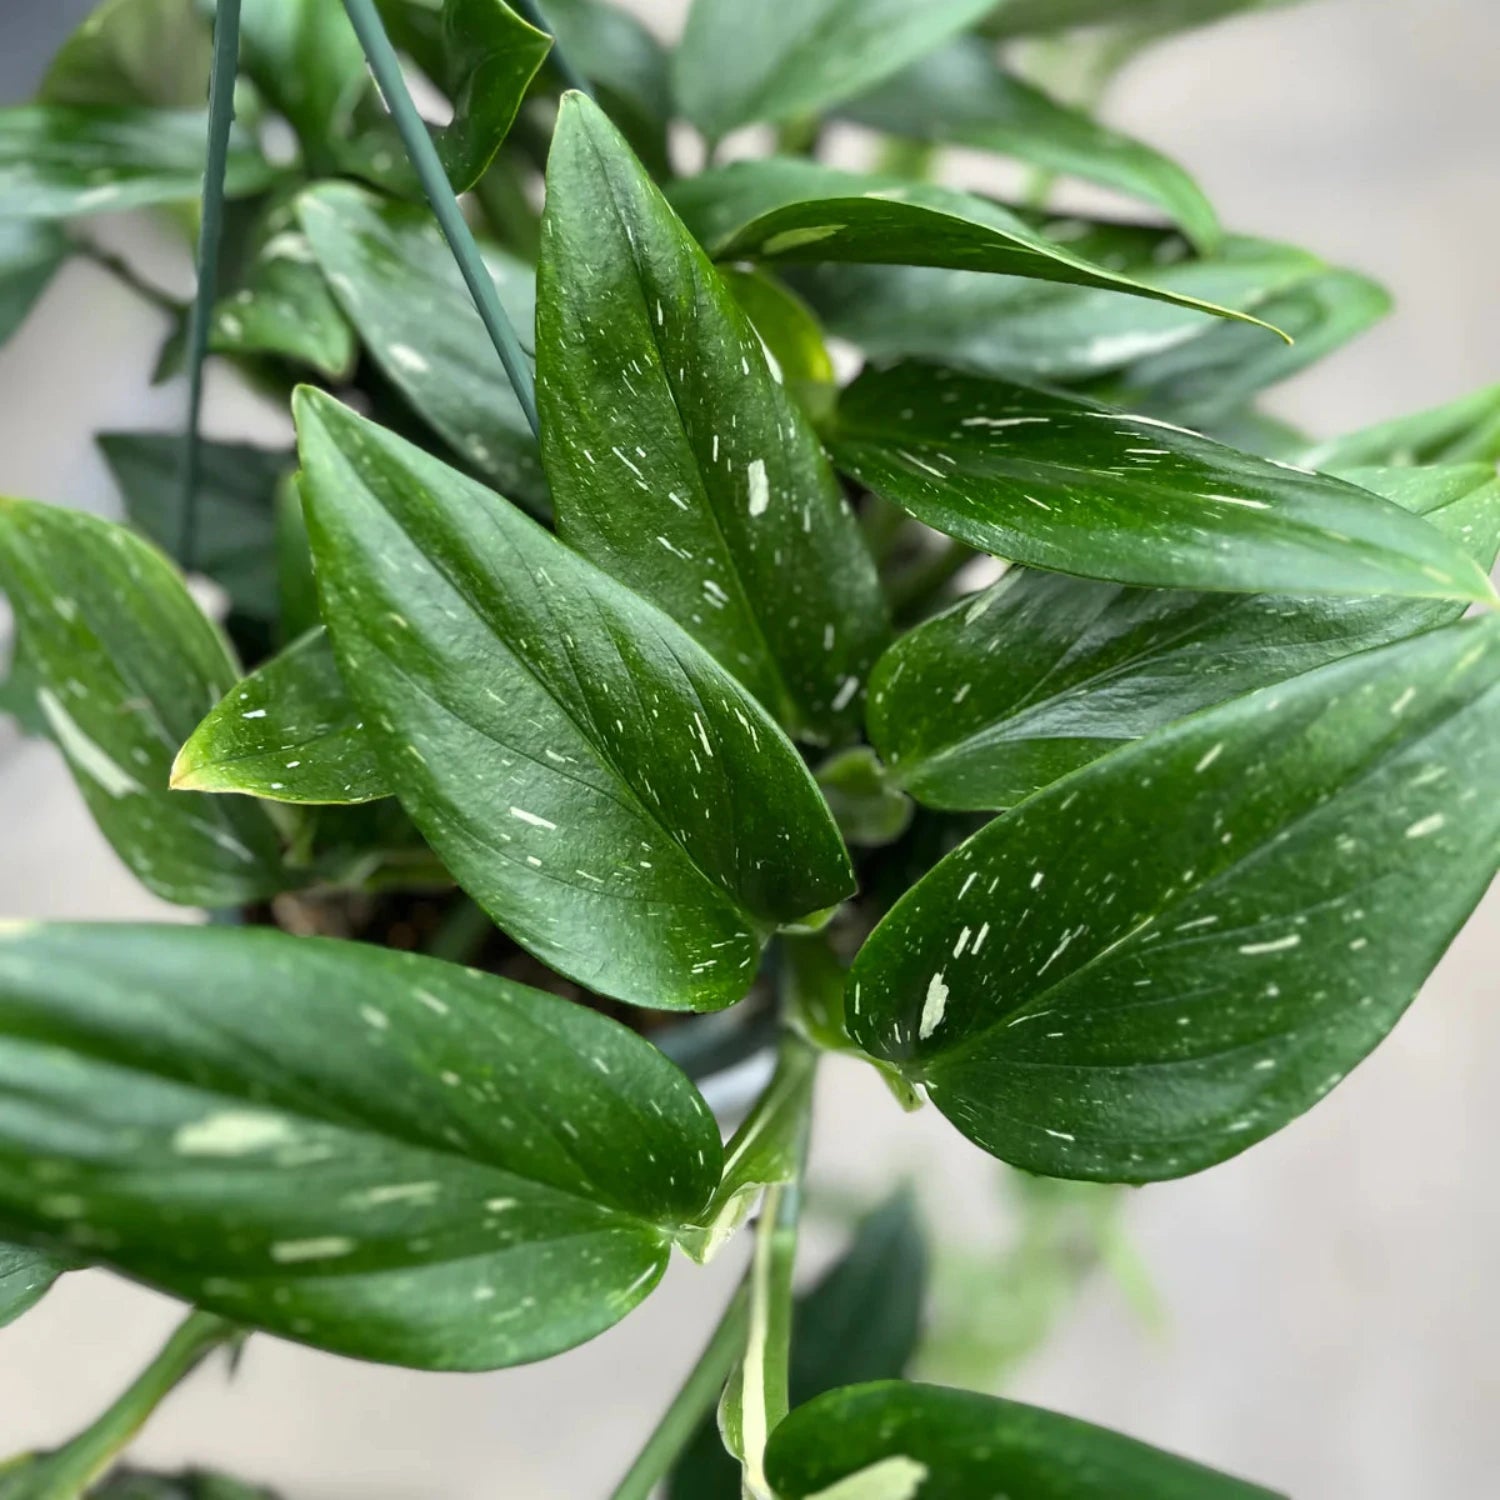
x,y
538,720
30,252
57,160
124,664
26,1276
397,283
288,732
961,96
491,55
1170,954
1065,484
306,61
1204,381
152,52
1024,329
896,1441
784,209
860,1321
483,56
236,507
677,462
1040,674
786,326
382,1155
1462,431
746,60
283,305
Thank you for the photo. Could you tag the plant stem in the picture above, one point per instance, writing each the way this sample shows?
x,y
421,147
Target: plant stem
x,y
128,276
220,119
424,158
68,1473
694,1399
766,1371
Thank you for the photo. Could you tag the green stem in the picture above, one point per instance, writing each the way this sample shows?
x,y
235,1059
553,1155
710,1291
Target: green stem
x,y
424,158
68,1473
127,275
766,1370
693,1401
220,119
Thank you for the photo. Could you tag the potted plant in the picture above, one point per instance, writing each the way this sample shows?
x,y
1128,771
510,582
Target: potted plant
x,y
612,685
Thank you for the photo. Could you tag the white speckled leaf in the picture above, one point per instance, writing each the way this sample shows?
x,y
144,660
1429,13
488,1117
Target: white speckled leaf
x,y
59,160
124,664
593,778
785,209
396,280
893,1441
677,462
1063,483
288,732
382,1155
1049,331
1042,673
1167,956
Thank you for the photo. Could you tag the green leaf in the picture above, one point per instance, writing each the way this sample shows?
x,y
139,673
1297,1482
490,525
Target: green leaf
x,y
1170,954
304,57
491,56
1063,483
30,252
483,56
746,60
537,721
236,507
26,1276
784,209
152,52
397,283
895,1441
57,160
787,327
1013,18
1024,329
961,96
1203,382
288,732
677,462
1462,431
283,306
1040,674
860,1321
382,1155
124,663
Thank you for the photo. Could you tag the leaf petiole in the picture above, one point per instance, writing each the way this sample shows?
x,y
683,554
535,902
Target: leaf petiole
x,y
70,1471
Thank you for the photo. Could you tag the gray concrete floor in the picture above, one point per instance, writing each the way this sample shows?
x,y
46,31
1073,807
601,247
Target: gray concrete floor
x,y
1332,1307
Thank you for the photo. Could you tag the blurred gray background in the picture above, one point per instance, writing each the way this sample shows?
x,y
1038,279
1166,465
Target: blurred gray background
x,y
1332,1314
